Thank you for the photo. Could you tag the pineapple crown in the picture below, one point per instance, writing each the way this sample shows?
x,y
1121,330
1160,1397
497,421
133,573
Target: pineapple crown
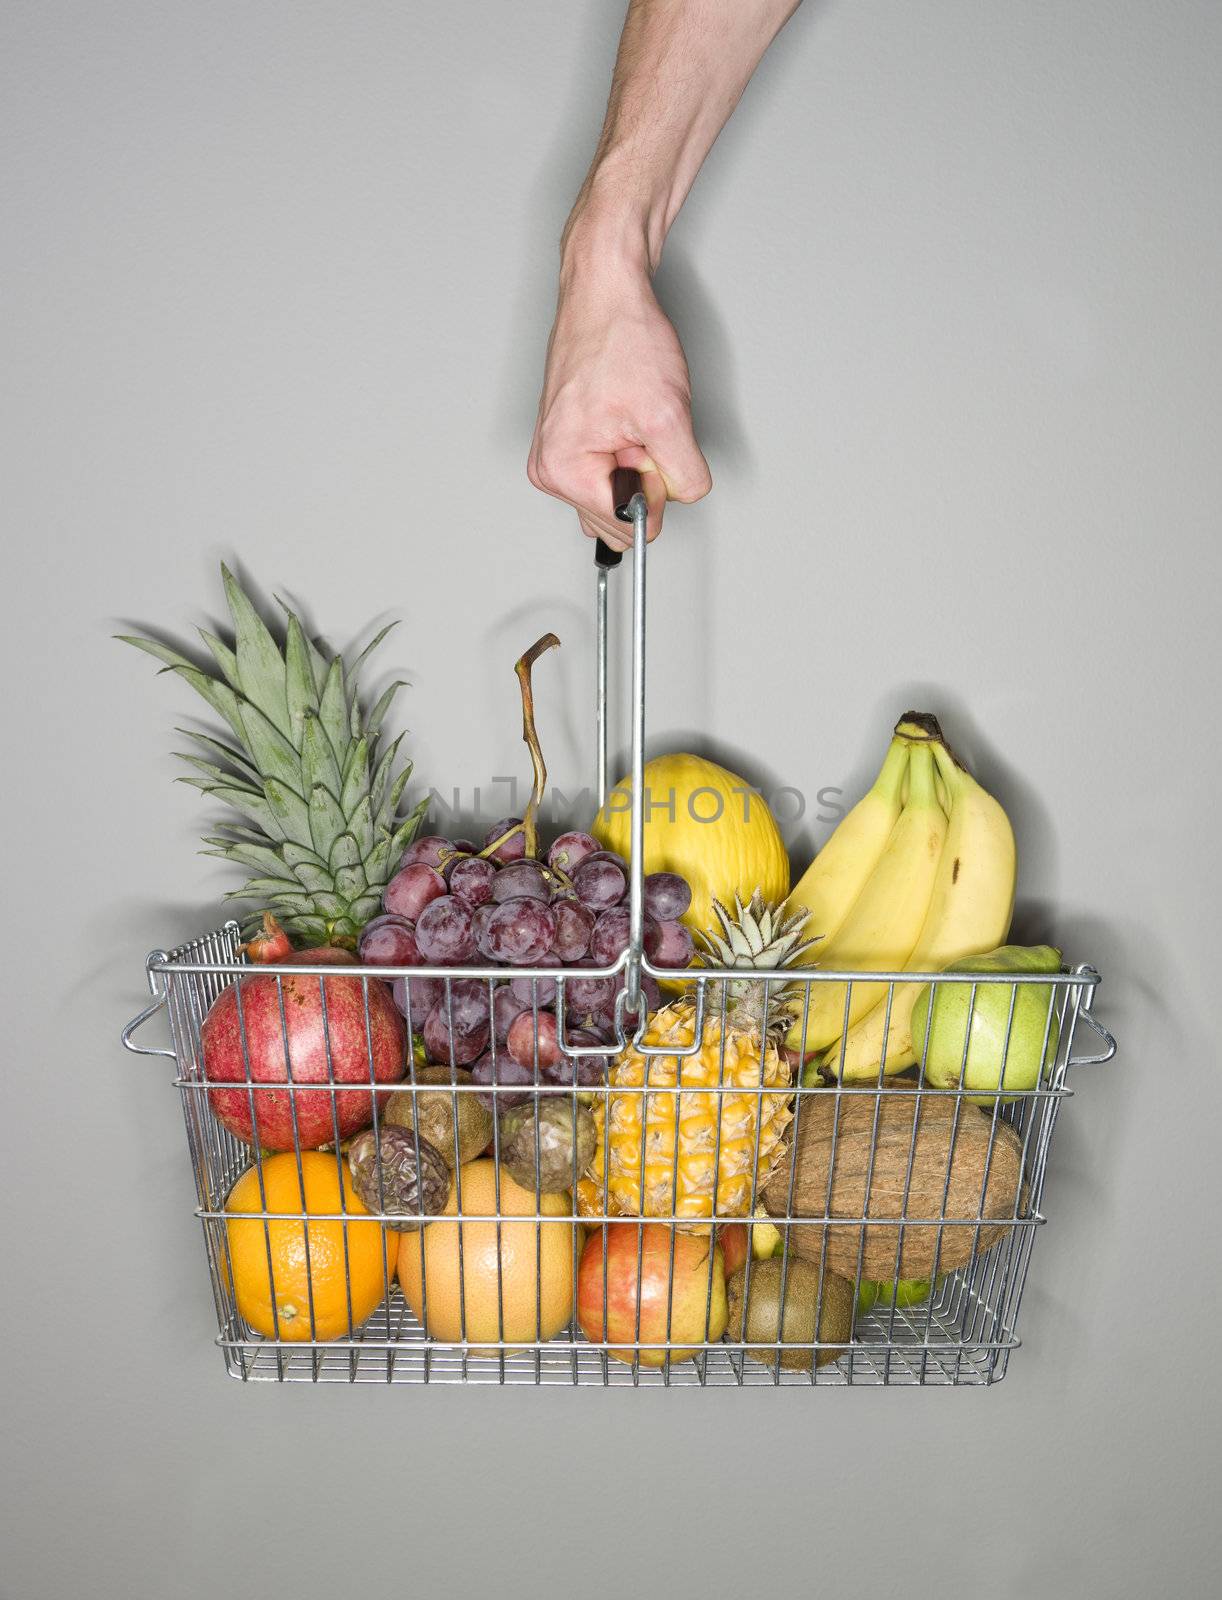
x,y
761,938
321,830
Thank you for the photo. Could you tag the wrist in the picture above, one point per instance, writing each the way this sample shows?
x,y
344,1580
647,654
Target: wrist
x,y
610,230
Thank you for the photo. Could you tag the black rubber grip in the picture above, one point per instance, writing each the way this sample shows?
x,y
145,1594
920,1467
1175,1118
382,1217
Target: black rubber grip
x,y
625,482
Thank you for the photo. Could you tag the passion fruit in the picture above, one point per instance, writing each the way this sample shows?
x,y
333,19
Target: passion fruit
x,y
389,1177
562,1136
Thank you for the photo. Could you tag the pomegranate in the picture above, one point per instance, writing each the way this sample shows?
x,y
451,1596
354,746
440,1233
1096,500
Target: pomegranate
x,y
318,1114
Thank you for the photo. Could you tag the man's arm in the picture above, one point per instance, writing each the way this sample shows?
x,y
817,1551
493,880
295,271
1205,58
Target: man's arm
x,y
616,389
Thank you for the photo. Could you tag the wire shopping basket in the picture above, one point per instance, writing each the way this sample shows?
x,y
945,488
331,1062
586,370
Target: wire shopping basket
x,y
872,1232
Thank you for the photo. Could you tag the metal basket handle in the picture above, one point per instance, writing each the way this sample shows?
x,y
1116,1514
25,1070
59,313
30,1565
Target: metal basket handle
x,y
1085,1014
635,510
160,995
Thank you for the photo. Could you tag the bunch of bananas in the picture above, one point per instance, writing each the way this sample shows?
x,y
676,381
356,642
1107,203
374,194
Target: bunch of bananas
x,y
919,874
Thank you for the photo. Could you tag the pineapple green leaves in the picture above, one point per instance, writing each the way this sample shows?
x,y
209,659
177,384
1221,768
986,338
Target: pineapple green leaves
x,y
304,769
759,937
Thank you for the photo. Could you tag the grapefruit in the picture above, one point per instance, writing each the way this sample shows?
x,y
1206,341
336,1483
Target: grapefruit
x,y
535,1283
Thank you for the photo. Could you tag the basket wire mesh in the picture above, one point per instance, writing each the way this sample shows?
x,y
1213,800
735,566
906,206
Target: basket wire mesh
x,y
977,1248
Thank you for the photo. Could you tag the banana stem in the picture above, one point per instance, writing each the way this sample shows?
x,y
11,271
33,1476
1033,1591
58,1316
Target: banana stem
x,y
530,820
922,727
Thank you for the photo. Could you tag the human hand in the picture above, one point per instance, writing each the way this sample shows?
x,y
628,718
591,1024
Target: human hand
x,y
616,393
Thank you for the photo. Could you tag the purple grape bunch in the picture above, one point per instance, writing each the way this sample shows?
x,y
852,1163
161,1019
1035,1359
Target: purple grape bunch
x,y
453,904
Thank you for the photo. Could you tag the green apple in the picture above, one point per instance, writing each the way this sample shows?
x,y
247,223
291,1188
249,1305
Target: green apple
x,y
904,1292
987,1056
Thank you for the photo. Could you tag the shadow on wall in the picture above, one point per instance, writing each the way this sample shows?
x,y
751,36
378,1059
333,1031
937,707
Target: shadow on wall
x,y
1031,818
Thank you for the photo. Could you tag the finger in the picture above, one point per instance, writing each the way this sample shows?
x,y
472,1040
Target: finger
x,y
670,449
580,477
592,530
592,496
653,487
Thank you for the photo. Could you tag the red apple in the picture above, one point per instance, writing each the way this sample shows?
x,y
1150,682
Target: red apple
x,y
658,1301
732,1237
762,1238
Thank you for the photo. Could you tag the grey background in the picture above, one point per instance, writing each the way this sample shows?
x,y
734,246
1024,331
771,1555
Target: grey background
x,y
277,279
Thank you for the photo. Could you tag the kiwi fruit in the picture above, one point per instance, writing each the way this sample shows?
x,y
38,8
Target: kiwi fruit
x,y
796,1323
434,1112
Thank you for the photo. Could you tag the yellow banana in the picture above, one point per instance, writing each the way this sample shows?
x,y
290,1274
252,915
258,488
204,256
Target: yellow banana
x,y
969,913
880,931
830,885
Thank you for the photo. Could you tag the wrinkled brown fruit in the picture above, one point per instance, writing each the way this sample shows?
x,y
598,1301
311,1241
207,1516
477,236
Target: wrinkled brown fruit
x,y
386,1176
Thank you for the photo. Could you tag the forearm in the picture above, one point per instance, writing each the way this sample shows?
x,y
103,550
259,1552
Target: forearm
x,y
682,68
616,390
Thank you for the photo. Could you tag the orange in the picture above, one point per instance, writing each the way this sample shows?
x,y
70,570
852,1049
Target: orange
x,y
523,1272
330,1268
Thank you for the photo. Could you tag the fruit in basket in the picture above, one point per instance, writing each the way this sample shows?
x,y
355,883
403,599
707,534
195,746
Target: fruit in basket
x,y
558,1133
432,1110
513,1281
829,887
388,941
659,1286
412,890
950,1171
251,1021
986,1063
707,1147
317,1263
904,1292
508,905
783,1306
883,925
760,1236
969,911
270,945
705,824
397,1174
318,798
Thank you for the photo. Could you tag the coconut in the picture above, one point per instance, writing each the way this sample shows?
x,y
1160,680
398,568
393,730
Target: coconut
x,y
951,1172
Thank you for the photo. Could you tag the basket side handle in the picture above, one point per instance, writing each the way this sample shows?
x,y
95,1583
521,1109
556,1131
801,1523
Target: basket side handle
x,y
158,991
1085,1014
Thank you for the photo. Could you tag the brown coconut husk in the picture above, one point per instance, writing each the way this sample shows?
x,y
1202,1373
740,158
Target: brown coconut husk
x,y
928,1133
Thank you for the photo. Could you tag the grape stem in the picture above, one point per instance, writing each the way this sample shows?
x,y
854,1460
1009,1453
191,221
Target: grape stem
x,y
530,820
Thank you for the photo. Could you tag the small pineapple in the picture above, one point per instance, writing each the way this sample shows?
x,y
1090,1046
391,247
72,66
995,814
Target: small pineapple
x,y
689,1172
321,830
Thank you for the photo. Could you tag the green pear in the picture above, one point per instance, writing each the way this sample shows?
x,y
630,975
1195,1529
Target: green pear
x,y
867,1294
987,1056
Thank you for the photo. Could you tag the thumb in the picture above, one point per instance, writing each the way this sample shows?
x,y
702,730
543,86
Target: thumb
x,y
678,460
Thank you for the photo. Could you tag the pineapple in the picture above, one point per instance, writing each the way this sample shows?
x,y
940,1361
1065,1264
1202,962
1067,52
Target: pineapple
x,y
321,831
688,1174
